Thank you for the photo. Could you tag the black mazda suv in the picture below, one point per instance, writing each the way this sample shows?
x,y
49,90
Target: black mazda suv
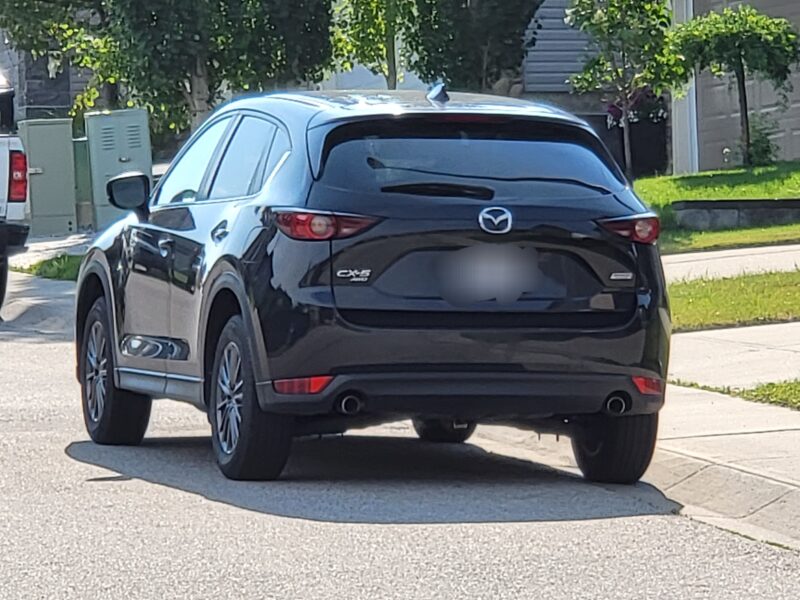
x,y
317,262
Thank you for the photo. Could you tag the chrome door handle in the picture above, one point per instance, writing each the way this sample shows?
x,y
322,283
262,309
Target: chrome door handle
x,y
165,246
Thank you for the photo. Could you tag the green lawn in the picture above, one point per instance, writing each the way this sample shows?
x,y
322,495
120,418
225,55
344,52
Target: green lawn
x,y
62,267
778,181
675,241
745,300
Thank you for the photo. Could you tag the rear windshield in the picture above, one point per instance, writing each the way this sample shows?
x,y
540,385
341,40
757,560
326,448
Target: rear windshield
x,y
384,156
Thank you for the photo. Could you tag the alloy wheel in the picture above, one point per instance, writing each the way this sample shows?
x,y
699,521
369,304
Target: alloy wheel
x,y
230,393
96,377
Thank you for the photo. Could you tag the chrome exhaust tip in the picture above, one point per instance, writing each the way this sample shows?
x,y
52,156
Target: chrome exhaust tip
x,y
350,405
616,405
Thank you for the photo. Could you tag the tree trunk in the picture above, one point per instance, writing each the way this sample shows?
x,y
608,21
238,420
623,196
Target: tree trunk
x,y
741,83
391,57
199,93
111,95
626,134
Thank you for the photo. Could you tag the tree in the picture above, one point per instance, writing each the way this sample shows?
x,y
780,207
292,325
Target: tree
x,y
470,45
176,57
742,42
632,52
372,33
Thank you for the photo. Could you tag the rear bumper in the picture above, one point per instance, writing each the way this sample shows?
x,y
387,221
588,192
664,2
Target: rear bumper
x,y
474,396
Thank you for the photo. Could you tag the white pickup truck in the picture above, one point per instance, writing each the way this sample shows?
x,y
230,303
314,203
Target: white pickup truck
x,y
14,205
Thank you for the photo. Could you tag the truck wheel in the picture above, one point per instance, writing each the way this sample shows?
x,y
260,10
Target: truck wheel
x,y
443,431
112,416
248,443
3,279
616,450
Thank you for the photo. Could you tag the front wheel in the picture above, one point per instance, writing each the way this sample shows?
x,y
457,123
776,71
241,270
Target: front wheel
x,y
615,449
3,279
444,431
112,416
248,443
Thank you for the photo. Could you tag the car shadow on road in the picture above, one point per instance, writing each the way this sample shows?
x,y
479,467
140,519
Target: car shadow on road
x,y
359,479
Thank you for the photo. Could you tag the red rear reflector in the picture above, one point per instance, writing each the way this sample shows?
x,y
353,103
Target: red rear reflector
x,y
649,386
17,177
644,230
319,226
304,385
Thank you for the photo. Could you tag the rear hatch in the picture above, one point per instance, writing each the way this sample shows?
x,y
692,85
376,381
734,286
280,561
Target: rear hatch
x,y
478,223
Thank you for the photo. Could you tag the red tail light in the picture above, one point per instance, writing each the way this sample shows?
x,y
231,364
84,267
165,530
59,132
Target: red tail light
x,y
304,385
321,226
643,230
17,177
649,386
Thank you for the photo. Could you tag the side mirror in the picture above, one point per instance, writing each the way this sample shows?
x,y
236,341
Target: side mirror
x,y
130,191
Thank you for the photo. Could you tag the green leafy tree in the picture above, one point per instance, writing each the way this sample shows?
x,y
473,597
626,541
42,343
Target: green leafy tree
x,y
742,42
177,57
470,45
373,33
631,51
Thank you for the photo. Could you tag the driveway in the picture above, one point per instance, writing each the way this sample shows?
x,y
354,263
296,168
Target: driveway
x,y
376,514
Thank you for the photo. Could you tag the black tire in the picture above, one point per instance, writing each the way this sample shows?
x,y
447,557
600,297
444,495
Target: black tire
x,y
122,417
616,450
3,279
264,440
443,431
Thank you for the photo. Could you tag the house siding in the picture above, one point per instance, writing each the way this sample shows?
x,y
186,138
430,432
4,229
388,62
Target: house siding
x,y
717,100
558,54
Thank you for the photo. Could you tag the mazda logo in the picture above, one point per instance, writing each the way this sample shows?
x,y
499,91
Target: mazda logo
x,y
496,220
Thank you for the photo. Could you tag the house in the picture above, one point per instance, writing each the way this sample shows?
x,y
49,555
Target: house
x,y
706,122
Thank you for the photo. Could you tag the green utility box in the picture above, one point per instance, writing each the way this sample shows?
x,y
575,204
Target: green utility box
x,y
51,175
118,142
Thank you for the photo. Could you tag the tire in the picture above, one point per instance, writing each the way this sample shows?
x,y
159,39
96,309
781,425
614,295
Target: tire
x,y
3,279
442,431
249,444
616,450
112,416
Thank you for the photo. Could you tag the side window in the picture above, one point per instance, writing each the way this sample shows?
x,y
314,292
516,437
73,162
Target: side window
x,y
183,182
280,147
245,153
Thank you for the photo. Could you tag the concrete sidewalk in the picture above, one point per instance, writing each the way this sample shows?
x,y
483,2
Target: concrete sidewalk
x,y
44,248
729,263
742,357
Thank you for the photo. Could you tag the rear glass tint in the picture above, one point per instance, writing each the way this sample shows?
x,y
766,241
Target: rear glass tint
x,y
379,156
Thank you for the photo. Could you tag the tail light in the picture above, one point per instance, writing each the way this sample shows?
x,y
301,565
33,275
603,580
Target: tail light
x,y
649,386
304,385
643,230
17,177
321,226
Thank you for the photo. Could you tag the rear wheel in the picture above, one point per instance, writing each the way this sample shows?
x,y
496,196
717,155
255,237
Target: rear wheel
x,y
616,450
112,416
444,431
249,444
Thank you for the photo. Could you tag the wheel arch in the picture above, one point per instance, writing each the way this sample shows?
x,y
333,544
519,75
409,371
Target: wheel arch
x,y
225,298
93,284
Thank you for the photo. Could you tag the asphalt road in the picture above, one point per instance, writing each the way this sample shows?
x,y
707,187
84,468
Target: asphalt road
x,y
376,514
356,517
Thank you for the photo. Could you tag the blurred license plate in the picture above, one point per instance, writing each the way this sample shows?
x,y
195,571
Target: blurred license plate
x,y
489,272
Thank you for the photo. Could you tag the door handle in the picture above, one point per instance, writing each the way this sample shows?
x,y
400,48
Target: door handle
x,y
165,246
220,232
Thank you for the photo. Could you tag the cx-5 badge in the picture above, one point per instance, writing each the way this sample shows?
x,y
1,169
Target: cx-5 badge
x,y
496,220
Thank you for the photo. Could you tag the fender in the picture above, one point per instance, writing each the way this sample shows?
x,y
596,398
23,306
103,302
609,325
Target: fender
x,y
95,264
225,277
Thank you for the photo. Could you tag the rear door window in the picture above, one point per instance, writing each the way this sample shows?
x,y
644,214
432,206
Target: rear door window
x,y
239,167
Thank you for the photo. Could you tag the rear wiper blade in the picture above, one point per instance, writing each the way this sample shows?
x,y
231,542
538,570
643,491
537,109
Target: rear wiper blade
x,y
441,190
374,163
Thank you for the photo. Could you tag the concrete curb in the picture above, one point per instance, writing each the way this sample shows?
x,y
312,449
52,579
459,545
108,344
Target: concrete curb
x,y
725,496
